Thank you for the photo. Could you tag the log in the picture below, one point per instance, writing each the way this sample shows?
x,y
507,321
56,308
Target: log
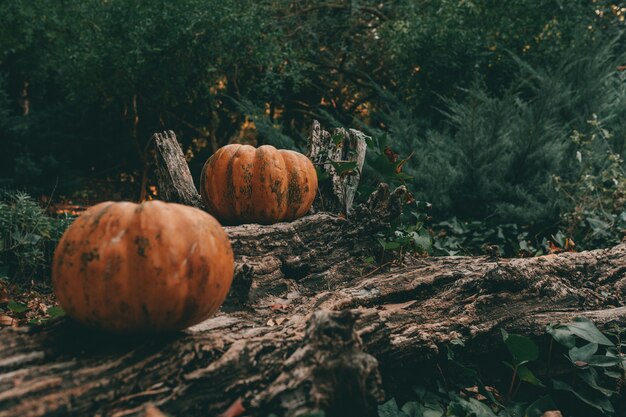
x,y
301,346
310,325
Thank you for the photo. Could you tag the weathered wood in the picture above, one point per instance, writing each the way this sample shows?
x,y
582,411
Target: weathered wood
x,y
173,175
338,147
277,350
309,324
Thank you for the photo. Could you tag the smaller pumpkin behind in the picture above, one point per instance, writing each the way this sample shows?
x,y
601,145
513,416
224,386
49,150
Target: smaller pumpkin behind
x,y
243,184
150,267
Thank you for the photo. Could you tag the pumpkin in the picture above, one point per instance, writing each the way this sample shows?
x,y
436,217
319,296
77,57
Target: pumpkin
x,y
244,184
150,267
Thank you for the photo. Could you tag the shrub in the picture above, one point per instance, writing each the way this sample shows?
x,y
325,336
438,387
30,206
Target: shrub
x,y
597,194
28,237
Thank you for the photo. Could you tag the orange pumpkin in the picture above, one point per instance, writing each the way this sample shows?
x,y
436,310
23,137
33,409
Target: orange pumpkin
x,y
243,184
149,267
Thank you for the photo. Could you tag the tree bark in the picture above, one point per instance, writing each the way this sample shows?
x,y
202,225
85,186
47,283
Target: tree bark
x,y
173,175
330,152
310,324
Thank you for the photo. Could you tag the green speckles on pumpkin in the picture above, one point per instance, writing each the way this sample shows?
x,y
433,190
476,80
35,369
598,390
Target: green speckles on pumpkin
x,y
98,216
294,195
246,188
143,244
276,190
87,257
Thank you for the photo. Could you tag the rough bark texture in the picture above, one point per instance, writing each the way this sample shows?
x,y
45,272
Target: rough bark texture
x,y
308,342
173,175
309,326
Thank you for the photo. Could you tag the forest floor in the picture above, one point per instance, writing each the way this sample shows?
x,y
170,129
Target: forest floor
x,y
27,304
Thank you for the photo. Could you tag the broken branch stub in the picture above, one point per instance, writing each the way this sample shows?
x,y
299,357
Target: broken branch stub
x,y
341,155
173,175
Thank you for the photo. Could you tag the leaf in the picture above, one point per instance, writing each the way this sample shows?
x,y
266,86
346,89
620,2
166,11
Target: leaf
x,y
344,167
337,138
413,409
522,348
588,396
590,377
480,409
55,311
390,409
562,335
322,175
526,375
422,241
585,329
16,307
540,406
604,361
583,354
389,245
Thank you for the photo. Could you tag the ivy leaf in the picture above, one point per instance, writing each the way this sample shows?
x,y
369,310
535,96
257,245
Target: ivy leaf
x,y
526,375
522,348
585,329
590,377
587,395
604,361
562,335
583,354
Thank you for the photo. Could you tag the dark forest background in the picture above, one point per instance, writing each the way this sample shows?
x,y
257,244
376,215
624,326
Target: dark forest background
x,y
512,114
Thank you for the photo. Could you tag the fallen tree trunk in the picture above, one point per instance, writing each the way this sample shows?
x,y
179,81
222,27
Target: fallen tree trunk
x,y
309,325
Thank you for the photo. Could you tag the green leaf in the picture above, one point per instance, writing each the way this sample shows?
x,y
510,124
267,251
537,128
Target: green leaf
x,y
383,165
55,311
522,348
513,410
604,361
16,307
422,240
540,406
389,245
337,138
390,409
480,409
322,175
562,335
526,375
413,409
582,354
344,167
587,395
585,329
590,377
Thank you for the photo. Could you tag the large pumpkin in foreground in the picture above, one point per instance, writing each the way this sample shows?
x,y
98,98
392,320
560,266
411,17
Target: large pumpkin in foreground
x,y
243,184
150,267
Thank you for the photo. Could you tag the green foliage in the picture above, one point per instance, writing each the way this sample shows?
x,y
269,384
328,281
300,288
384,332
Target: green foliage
x,y
27,237
597,192
481,96
593,388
